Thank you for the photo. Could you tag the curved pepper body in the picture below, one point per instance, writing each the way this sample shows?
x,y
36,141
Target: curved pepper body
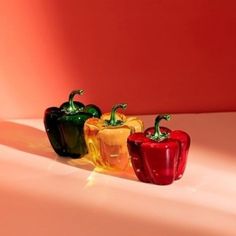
x,y
107,145
64,128
184,143
159,162
65,132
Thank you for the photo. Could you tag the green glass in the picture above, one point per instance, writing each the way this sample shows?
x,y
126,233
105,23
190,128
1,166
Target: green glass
x,y
64,126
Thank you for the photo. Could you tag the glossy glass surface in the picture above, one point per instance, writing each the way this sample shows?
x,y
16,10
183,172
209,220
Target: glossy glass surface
x,y
66,133
184,141
159,162
107,145
64,126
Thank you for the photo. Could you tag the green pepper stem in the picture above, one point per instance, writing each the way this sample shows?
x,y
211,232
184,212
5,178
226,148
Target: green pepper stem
x,y
158,135
72,108
113,121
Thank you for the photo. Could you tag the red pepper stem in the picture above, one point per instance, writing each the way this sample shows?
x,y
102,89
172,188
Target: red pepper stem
x,y
72,108
158,135
113,121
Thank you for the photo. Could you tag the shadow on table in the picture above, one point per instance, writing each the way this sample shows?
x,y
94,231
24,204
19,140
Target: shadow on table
x,y
25,138
35,141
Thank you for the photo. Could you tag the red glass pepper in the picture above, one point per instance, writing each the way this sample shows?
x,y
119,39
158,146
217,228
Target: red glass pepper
x,y
159,155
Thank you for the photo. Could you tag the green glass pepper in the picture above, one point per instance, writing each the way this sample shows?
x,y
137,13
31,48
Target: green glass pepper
x,y
64,126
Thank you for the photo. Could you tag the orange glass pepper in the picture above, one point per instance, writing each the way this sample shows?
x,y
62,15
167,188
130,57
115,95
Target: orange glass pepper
x,y
106,138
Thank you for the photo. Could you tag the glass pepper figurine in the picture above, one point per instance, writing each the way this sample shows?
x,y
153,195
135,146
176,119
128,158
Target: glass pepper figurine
x,y
106,138
159,155
64,126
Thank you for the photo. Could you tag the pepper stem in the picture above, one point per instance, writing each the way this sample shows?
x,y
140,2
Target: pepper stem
x,y
113,121
158,135
72,108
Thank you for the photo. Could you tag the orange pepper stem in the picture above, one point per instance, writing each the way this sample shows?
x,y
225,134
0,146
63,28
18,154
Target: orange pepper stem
x,y
113,121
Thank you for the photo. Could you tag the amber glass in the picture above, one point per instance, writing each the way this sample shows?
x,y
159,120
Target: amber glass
x,y
107,143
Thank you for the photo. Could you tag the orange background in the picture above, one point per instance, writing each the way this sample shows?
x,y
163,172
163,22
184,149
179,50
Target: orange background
x,y
158,56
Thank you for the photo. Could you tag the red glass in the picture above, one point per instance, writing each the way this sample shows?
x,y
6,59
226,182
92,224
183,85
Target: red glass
x,y
159,162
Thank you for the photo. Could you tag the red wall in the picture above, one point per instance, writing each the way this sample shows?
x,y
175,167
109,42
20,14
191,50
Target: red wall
x,y
156,55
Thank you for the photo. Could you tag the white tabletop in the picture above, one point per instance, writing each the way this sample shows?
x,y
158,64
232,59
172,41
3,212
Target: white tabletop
x,y
43,194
